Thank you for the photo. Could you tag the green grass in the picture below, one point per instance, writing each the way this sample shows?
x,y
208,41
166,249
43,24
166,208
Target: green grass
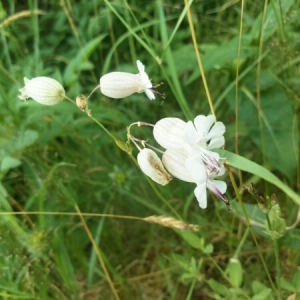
x,y
73,203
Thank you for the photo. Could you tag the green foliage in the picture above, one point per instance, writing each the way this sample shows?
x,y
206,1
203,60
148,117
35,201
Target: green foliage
x,y
72,198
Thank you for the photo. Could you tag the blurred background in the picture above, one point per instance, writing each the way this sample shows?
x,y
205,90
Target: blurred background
x,y
57,160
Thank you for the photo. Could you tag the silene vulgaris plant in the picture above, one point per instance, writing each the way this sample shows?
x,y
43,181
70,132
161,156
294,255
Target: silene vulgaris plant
x,y
188,146
188,154
191,151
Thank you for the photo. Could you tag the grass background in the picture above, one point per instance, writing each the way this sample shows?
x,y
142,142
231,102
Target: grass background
x,y
56,164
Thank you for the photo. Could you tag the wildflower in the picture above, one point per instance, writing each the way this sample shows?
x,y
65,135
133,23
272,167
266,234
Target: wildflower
x,y
152,166
182,164
188,154
122,84
200,137
43,90
218,187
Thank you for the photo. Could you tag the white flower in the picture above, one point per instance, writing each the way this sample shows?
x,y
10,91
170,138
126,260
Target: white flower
x,y
152,166
200,137
122,84
188,156
184,166
204,178
44,90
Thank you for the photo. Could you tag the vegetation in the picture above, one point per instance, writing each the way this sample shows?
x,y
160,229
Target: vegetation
x,y
79,219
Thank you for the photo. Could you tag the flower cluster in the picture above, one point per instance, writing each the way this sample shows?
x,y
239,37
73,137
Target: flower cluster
x,y
116,85
188,154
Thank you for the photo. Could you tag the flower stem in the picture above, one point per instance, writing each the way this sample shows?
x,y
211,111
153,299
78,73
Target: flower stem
x,y
92,92
102,126
251,231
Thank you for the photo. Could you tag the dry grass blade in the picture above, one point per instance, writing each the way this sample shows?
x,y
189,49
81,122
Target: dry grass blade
x,y
171,223
22,14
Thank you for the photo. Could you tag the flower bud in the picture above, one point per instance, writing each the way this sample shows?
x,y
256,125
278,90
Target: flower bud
x,y
43,90
81,102
152,166
121,84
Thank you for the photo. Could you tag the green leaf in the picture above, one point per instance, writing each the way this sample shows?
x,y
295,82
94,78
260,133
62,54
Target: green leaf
x,y
249,166
265,294
235,272
192,239
9,162
218,288
277,224
291,239
14,295
255,214
208,249
296,281
63,260
124,146
25,139
271,24
217,57
80,62
276,135
261,292
286,285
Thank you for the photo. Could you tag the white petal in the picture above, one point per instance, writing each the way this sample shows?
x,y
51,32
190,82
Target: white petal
x,y
145,82
197,169
23,95
201,195
217,130
216,143
218,188
174,161
199,121
211,158
222,169
152,166
169,133
150,94
203,124
119,84
140,66
220,185
191,135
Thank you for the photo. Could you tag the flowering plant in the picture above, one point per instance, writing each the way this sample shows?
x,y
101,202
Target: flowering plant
x,y
188,154
43,90
122,84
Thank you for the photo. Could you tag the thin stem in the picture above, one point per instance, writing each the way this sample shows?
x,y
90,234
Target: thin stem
x,y
189,15
236,140
276,251
278,267
241,243
252,233
69,99
97,250
92,92
158,193
258,89
100,124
